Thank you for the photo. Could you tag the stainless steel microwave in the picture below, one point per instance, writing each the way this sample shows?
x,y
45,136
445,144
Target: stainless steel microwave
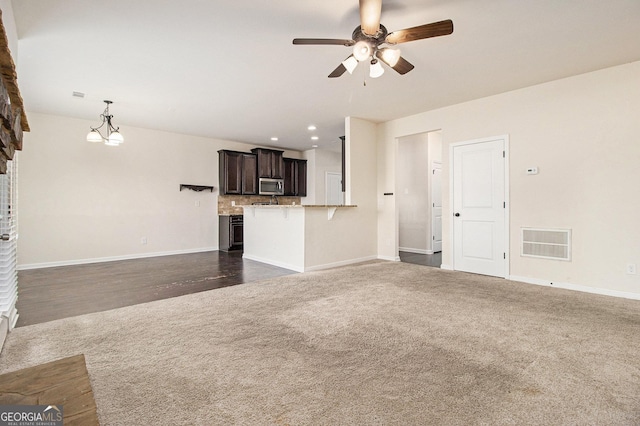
x,y
271,186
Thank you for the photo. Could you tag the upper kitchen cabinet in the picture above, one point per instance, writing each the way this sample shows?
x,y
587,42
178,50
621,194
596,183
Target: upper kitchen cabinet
x,y
295,177
249,174
238,173
270,163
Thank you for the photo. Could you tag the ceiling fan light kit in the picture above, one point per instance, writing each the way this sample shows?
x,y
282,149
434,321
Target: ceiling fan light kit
x,y
389,56
362,50
376,69
370,41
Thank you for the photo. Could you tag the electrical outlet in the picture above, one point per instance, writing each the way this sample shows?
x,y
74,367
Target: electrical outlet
x,y
143,240
197,203
631,268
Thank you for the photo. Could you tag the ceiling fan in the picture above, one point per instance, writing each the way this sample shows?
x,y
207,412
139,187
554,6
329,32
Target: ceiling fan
x,y
370,40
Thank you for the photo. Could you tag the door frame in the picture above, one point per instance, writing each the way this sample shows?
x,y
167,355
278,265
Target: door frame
x,y
435,165
507,220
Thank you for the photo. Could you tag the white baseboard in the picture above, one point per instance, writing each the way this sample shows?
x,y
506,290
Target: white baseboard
x,y
341,263
298,268
415,250
390,258
111,258
447,267
576,287
272,262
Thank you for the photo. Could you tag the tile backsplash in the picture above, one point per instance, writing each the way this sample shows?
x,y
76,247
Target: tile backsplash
x,y
225,202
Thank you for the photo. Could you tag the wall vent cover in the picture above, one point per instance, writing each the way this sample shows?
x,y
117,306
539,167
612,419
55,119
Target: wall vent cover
x,y
546,243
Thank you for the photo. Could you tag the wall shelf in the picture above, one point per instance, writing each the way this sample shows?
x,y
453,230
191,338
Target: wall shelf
x,y
197,188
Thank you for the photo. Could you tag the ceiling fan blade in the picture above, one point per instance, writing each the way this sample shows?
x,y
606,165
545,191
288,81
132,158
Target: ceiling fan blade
x,y
434,29
324,41
403,66
370,11
338,71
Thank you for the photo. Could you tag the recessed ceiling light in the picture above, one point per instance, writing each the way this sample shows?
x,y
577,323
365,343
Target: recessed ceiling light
x,y
274,139
314,146
314,138
311,127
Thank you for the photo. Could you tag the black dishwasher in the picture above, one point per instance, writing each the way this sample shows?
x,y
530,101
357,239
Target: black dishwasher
x,y
230,232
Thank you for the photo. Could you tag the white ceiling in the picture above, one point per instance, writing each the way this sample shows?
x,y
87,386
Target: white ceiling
x,y
228,69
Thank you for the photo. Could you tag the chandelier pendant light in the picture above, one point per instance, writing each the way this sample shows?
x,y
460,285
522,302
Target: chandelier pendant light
x,y
113,136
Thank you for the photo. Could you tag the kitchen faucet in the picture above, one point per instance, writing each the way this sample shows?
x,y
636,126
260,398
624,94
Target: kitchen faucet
x,y
274,200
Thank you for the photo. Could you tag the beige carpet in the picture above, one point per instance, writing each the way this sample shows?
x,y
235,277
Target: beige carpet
x,y
382,343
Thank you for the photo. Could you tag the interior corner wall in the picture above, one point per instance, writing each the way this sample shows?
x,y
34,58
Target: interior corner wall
x,y
361,187
582,134
412,192
82,202
435,146
326,161
312,177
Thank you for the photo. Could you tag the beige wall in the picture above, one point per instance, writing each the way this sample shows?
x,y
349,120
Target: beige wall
x,y
361,160
412,192
80,202
413,195
319,162
582,134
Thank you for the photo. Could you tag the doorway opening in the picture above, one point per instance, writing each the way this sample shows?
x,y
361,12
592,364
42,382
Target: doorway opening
x,y
419,198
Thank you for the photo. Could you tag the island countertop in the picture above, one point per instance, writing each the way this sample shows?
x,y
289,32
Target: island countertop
x,y
289,206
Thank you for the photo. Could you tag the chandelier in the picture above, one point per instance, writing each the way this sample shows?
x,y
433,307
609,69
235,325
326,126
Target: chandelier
x,y
113,136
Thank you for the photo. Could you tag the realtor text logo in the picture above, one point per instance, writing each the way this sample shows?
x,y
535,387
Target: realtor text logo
x,y
31,415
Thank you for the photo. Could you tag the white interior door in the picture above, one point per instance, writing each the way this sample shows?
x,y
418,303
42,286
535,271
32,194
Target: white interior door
x,y
436,207
479,199
334,189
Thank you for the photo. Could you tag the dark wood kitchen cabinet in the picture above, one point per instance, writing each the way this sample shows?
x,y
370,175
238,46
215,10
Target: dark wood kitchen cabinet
x,y
295,177
238,173
270,163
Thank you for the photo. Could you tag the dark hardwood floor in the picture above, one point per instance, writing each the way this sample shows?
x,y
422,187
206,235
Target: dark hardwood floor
x,y
52,293
434,260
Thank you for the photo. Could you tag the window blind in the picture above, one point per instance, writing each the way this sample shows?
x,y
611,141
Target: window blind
x,y
8,244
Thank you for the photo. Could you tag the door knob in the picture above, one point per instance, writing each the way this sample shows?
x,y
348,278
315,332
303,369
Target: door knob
x,y
457,214
5,237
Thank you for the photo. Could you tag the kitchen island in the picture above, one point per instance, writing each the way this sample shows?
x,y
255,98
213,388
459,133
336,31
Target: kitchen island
x,y
304,237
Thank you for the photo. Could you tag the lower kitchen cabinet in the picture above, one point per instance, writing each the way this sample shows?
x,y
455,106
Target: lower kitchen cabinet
x,y
230,232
